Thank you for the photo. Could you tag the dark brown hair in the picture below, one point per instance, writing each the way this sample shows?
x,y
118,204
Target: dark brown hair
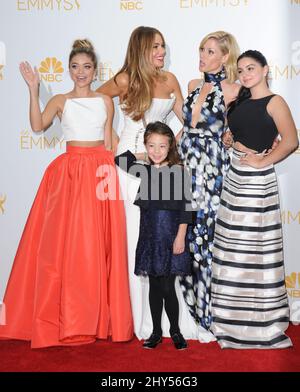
x,y
245,92
160,128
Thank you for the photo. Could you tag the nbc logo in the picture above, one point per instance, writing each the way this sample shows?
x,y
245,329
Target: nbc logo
x,y
126,5
51,70
293,284
2,201
2,58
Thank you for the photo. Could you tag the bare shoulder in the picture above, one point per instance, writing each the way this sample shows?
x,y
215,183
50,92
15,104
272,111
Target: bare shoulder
x,y
236,88
231,91
115,86
277,100
194,83
232,88
171,78
59,98
276,104
58,101
122,80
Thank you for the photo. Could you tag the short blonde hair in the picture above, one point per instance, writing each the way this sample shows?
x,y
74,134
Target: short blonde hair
x,y
228,45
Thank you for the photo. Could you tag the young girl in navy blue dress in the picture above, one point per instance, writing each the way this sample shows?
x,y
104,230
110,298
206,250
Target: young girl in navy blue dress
x,y
162,251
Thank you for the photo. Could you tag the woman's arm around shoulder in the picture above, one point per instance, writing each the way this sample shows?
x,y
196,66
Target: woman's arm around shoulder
x,y
115,87
231,92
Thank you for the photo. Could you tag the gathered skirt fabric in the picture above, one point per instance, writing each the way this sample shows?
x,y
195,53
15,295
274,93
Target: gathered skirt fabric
x,y
69,281
154,252
249,298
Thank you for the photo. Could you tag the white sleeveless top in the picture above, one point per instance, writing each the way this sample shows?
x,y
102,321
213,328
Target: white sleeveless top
x,y
132,135
84,119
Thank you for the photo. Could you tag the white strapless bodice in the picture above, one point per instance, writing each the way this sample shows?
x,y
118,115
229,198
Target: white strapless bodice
x,y
84,119
132,135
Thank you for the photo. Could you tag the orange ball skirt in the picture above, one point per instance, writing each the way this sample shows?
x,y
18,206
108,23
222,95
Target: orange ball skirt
x,y
69,281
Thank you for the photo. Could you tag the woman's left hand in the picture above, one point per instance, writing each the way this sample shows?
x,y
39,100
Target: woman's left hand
x,y
227,139
253,160
178,245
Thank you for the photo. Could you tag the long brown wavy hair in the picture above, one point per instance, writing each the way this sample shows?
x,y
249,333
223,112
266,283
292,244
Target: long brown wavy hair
x,y
160,128
141,73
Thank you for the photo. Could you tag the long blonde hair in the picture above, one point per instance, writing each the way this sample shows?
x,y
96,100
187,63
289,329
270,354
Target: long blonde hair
x,y
141,73
228,45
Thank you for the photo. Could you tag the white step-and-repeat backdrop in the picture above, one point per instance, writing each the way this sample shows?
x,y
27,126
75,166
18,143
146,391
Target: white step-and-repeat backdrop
x,y
42,32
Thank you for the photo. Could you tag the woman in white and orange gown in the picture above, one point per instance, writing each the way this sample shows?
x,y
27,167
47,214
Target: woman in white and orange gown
x,y
69,281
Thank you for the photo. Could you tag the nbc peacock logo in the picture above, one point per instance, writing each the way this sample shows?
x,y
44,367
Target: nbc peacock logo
x,y
51,70
2,201
292,283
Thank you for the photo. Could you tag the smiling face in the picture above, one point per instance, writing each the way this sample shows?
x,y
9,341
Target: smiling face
x,y
82,69
251,73
157,147
211,57
158,52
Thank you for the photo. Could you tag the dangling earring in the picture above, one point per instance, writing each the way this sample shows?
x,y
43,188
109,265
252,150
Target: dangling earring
x,y
224,68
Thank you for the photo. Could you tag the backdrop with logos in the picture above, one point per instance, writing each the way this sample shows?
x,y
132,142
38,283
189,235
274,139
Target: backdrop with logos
x,y
42,32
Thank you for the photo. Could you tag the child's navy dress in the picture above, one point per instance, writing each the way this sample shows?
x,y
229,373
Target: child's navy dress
x,y
163,205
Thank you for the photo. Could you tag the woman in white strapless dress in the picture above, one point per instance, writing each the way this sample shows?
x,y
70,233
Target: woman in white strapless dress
x,y
147,94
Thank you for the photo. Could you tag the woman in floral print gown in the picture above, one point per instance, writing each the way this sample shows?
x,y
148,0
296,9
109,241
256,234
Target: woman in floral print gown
x,y
202,150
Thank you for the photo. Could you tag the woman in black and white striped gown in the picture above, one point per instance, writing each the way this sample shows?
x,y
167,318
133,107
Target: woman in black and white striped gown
x,y
249,299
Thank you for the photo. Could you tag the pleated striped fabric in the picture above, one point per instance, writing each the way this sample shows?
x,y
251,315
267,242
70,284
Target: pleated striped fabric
x,y
249,299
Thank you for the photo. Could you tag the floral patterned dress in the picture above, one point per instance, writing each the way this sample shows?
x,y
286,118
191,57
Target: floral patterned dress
x,y
207,160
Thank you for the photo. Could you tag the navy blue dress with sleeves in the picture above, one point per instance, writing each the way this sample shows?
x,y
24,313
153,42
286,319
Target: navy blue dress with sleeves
x,y
164,203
